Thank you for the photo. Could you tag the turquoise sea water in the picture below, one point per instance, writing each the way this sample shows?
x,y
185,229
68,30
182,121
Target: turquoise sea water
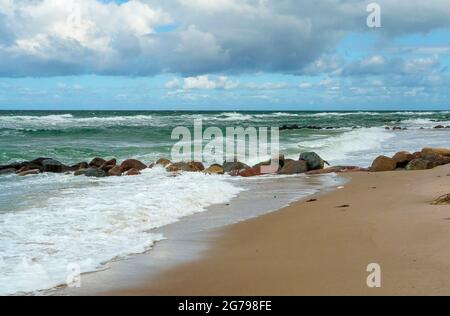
x,y
75,136
49,222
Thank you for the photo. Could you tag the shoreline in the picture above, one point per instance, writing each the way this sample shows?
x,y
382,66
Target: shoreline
x,y
317,248
193,236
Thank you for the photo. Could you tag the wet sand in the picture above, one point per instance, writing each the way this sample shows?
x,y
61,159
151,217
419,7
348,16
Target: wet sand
x,y
319,248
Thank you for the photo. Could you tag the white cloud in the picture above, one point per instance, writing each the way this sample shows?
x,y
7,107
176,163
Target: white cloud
x,y
56,37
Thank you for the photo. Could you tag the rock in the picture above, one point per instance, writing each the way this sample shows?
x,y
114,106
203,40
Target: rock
x,y
383,163
192,166
15,166
52,165
294,167
313,160
163,162
80,165
419,164
27,166
215,169
402,158
95,173
387,128
80,172
7,171
108,165
38,161
442,200
251,172
234,166
114,172
29,172
133,172
438,151
197,166
439,127
97,162
277,162
132,164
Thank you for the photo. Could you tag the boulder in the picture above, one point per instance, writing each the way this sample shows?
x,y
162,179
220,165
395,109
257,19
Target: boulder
x,y
29,172
214,169
15,166
80,165
80,172
52,165
97,162
114,172
234,166
442,200
438,151
251,172
419,164
192,166
294,167
38,161
313,160
163,162
133,172
7,171
108,165
132,164
383,163
197,166
402,158
278,163
30,166
95,173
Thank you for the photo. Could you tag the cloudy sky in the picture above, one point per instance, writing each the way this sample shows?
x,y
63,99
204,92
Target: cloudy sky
x,y
224,54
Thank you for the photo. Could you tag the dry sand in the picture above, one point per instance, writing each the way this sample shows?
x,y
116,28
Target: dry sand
x,y
317,248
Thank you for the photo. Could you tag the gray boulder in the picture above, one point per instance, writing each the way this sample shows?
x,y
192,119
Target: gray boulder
x,y
234,166
95,173
314,161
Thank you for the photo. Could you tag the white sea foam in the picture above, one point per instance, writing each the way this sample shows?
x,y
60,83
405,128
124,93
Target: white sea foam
x,y
69,121
87,222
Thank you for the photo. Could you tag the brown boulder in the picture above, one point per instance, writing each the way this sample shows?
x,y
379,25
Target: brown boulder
x,y
108,165
294,167
132,164
214,169
163,162
402,158
251,172
97,162
133,172
442,200
383,163
192,166
114,172
438,151
29,172
80,165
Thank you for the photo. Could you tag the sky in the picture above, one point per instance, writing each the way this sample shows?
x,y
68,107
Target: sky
x,y
224,54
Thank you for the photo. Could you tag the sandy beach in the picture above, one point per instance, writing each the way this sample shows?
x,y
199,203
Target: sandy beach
x,y
321,248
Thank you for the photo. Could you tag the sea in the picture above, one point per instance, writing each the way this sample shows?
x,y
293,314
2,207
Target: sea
x,y
54,224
